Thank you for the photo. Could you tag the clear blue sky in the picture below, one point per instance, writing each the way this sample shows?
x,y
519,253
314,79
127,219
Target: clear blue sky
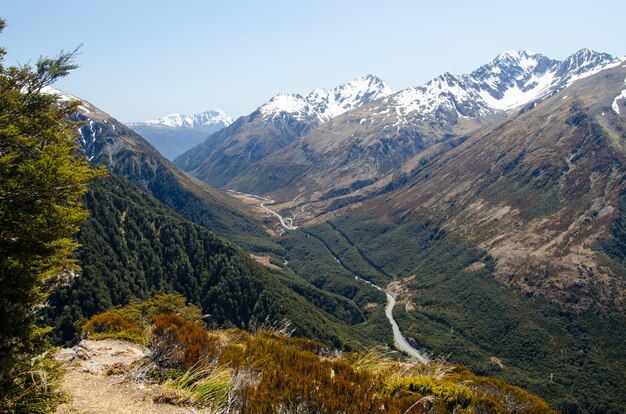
x,y
144,59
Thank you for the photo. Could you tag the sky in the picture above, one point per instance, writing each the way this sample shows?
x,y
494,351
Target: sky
x,y
140,60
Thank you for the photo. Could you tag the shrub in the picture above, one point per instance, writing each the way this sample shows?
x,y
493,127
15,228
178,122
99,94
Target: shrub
x,y
146,312
448,395
204,385
180,344
113,325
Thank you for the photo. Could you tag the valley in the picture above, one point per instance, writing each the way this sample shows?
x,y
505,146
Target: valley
x,y
313,208
399,340
445,220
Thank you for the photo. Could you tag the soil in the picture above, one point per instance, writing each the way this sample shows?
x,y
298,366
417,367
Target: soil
x,y
96,381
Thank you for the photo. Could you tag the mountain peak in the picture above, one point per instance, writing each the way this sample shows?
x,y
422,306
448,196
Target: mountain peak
x,y
585,62
515,54
513,79
324,104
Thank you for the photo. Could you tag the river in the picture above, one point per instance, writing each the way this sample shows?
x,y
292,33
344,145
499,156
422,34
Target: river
x,y
399,339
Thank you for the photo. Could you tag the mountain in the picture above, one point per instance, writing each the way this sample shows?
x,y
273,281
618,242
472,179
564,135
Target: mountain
x,y
106,141
510,243
274,125
536,191
153,228
175,133
360,146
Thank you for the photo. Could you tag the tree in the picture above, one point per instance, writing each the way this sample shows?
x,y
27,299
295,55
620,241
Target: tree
x,y
42,179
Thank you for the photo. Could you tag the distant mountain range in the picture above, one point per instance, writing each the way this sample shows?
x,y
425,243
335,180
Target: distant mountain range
x,y
175,133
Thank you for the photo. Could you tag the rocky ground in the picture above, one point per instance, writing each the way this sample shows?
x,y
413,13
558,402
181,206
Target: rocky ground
x,y
96,381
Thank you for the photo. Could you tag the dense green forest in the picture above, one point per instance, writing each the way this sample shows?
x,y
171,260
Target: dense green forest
x,y
133,246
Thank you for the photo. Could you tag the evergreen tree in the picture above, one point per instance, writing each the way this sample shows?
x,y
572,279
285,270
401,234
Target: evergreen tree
x,y
41,182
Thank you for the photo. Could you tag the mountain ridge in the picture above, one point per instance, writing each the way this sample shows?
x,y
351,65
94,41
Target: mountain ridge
x,y
366,143
211,117
273,126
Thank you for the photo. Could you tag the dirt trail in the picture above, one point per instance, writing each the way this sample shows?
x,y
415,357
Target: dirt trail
x,y
91,391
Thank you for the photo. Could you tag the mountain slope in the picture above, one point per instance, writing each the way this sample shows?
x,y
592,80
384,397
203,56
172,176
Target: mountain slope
x,y
358,147
106,141
175,133
535,191
133,246
273,126
508,247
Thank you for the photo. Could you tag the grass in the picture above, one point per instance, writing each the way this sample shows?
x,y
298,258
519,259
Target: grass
x,y
205,386
32,388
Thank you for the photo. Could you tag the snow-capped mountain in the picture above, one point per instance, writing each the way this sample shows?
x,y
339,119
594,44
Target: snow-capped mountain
x,y
175,133
273,126
512,80
324,104
210,118
377,138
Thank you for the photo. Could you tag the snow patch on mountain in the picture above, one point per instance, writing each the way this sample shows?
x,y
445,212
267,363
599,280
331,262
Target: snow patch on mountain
x,y
65,97
291,104
619,97
516,96
324,104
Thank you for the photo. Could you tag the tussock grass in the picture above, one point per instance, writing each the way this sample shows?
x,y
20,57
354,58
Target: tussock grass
x,y
206,386
32,387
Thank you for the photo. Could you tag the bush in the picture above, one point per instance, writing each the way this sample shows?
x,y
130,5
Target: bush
x,y
180,344
146,312
113,325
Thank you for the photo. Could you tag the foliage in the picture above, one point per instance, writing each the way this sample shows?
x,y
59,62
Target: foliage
x,y
133,321
268,372
180,344
41,182
32,387
113,325
144,313
236,371
205,385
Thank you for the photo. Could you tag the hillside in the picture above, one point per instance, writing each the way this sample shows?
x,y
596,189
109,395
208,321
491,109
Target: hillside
x,y
133,246
261,372
106,141
536,192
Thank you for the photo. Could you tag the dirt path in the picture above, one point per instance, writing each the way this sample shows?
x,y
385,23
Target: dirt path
x,y
91,391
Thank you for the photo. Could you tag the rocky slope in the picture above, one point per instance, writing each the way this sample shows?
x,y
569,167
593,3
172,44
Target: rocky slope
x,y
536,191
273,126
